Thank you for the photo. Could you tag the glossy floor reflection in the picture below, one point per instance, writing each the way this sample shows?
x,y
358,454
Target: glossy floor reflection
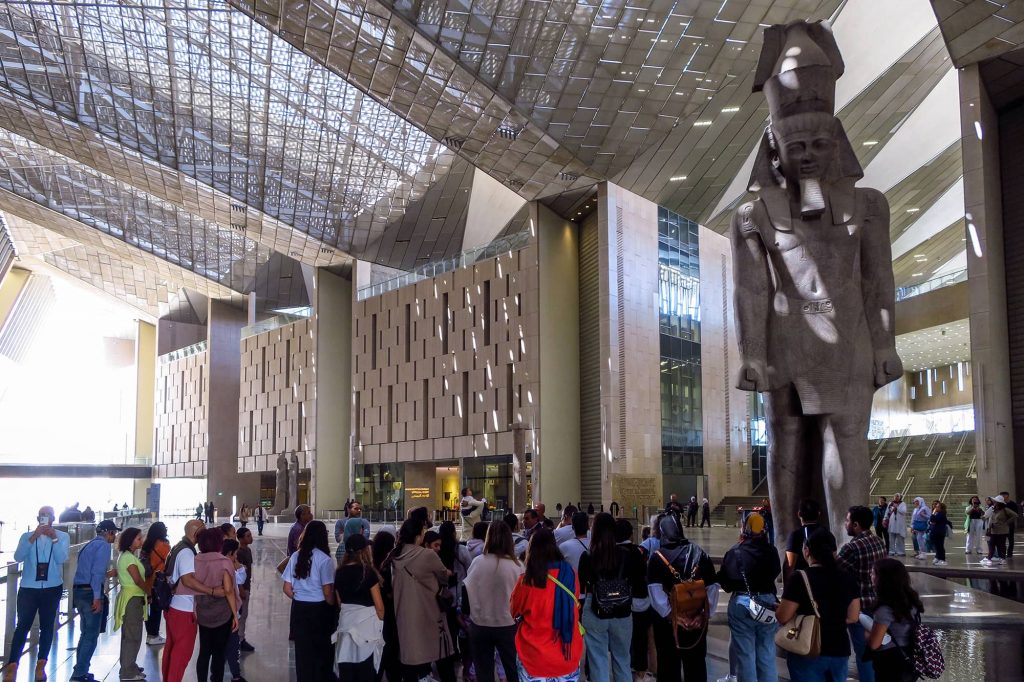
x,y
989,644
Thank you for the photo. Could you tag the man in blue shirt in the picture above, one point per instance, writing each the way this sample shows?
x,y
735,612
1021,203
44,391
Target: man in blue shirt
x,y
88,595
43,553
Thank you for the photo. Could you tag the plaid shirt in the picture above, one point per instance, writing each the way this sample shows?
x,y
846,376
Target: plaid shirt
x,y
856,558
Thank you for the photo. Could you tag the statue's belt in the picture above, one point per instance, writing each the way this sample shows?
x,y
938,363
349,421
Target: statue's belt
x,y
805,307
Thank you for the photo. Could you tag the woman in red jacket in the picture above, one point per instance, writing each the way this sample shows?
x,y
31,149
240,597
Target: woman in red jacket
x,y
546,603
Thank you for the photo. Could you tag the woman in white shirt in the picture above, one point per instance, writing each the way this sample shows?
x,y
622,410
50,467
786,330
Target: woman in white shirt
x,y
309,583
489,585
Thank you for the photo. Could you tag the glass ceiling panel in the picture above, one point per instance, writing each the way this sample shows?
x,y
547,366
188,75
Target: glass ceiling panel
x,y
203,89
153,225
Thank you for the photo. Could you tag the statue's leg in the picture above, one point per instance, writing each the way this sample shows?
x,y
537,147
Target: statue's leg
x,y
788,465
846,465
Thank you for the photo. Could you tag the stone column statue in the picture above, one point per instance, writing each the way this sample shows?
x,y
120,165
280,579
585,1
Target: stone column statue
x,y
281,488
815,297
293,481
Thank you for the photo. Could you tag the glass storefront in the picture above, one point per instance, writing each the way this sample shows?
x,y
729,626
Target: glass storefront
x,y
490,478
379,487
682,430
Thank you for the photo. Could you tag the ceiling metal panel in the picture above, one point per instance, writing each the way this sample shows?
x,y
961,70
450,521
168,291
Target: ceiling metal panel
x,y
206,91
976,30
919,265
384,55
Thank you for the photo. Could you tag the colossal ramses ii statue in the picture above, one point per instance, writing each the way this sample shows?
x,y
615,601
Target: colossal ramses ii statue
x,y
814,284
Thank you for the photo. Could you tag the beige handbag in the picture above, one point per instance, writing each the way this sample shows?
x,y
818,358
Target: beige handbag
x,y
802,635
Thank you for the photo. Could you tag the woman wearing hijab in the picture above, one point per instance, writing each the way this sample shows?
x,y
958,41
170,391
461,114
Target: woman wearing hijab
x,y
545,601
919,524
749,571
689,561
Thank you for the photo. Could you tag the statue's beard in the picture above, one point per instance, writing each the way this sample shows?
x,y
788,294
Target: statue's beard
x,y
812,198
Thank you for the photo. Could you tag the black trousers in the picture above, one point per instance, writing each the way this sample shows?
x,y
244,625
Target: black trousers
x,y
891,666
939,544
638,645
213,645
312,625
693,657
484,641
997,546
357,672
882,533
1009,540
153,622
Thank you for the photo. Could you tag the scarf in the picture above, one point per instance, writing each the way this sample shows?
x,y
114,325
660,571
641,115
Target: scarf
x,y
563,618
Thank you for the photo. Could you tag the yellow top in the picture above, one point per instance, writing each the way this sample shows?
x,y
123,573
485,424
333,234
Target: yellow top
x,y
128,587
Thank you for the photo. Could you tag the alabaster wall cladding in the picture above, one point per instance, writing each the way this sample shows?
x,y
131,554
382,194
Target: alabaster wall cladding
x,y
182,424
277,405
444,367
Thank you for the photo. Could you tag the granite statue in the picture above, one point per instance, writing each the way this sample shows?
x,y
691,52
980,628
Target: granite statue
x,y
281,500
293,480
815,297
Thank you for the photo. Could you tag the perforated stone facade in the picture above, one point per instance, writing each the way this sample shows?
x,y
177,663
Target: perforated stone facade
x,y
277,405
182,424
444,367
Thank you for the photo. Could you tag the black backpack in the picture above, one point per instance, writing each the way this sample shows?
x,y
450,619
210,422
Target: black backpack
x,y
612,596
163,589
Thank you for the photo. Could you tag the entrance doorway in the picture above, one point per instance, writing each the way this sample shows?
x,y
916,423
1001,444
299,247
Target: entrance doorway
x,y
447,483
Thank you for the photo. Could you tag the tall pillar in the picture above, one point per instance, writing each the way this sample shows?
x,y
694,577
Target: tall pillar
x,y
145,402
630,351
986,277
224,360
331,472
11,286
556,462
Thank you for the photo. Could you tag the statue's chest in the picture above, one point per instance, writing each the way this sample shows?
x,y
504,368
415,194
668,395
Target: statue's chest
x,y
819,246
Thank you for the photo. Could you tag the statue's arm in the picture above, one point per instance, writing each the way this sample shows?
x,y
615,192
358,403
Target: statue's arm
x,y
753,294
878,289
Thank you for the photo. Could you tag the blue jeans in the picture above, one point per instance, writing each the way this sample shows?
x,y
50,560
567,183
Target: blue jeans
x,y
858,639
90,622
752,645
604,635
820,669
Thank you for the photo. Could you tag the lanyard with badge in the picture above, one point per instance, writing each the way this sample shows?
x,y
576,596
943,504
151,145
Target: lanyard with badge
x,y
43,567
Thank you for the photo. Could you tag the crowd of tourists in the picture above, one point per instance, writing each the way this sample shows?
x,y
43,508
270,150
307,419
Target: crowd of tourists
x,y
994,521
522,599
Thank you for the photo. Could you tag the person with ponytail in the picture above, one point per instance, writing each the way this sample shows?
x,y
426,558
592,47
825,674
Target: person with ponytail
x,y
417,575
309,583
837,598
545,602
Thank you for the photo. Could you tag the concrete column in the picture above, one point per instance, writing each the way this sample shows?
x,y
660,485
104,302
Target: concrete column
x,y
556,462
630,348
331,472
11,287
223,480
986,276
145,402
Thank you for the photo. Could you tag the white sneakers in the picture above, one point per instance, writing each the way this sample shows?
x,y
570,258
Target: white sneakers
x,y
992,562
155,641
938,562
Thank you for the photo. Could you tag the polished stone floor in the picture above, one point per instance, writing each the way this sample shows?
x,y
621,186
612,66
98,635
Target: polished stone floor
x,y
983,633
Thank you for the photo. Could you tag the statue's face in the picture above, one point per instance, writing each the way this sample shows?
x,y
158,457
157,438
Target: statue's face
x,y
806,154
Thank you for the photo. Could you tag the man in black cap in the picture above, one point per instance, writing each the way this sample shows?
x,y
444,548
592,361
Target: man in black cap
x,y
87,595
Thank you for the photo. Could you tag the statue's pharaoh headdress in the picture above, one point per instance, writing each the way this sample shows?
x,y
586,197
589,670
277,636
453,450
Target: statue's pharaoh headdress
x,y
797,70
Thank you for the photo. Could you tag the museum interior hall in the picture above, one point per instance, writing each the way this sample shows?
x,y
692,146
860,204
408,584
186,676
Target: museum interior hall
x,y
525,261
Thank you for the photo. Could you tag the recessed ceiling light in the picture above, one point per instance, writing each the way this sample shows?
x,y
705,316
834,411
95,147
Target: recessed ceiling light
x,y
913,210
918,274
701,124
871,143
677,178
730,110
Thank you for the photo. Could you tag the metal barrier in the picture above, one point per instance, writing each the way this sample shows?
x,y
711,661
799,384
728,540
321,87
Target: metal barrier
x,y
81,534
